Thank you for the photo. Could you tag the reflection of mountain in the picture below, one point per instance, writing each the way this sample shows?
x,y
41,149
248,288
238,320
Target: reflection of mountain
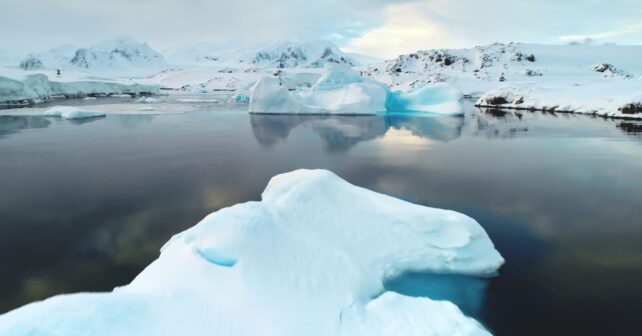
x,y
493,123
340,133
14,124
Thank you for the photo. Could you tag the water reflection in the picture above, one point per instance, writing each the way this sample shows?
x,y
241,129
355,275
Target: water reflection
x,y
14,124
340,133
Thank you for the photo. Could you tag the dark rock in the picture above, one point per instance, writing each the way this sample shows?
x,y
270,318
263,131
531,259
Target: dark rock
x,y
631,108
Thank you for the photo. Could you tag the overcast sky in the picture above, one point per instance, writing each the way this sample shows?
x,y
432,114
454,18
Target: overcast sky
x,y
383,28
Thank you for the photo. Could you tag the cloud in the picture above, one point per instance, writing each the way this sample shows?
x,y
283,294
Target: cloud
x,y
380,27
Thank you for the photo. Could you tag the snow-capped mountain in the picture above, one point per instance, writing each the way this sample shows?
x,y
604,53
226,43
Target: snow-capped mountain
x,y
56,57
291,55
118,54
313,54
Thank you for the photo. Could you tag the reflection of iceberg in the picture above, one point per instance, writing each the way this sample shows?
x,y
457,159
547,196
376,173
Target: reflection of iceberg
x,y
310,258
13,124
337,132
434,127
343,132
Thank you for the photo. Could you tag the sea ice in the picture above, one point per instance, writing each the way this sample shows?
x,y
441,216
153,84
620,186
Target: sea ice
x,y
190,100
148,100
69,112
310,258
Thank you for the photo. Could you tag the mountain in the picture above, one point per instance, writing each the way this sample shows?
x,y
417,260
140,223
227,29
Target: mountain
x,y
121,53
56,57
313,54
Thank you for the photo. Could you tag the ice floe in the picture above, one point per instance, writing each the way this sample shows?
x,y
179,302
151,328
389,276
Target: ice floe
x,y
69,112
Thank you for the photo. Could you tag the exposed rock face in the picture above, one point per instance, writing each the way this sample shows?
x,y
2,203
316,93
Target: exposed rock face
x,y
31,62
81,59
632,108
609,70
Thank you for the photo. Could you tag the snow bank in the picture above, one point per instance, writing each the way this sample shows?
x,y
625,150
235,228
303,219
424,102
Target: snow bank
x,y
620,99
37,88
308,259
69,112
341,90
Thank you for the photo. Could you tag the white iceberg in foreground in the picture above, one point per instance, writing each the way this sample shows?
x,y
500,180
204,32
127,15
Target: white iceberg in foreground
x,y
70,112
308,259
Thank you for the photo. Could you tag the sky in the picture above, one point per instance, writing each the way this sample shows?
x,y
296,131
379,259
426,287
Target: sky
x,y
381,28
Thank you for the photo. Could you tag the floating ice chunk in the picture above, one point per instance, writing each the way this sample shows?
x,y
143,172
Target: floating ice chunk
x,y
148,100
309,259
146,108
69,112
89,98
340,90
437,98
120,95
190,100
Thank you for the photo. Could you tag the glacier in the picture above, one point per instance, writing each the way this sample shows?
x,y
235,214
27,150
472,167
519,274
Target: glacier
x,y
310,258
37,88
342,90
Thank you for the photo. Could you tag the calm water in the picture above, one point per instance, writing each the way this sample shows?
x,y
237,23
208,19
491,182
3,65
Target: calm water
x,y
84,206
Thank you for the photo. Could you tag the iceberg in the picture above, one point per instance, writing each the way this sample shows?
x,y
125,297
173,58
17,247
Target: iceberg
x,y
148,100
342,90
69,112
339,90
310,258
436,98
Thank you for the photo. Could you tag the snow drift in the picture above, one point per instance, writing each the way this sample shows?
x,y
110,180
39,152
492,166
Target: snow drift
x,y
342,90
308,259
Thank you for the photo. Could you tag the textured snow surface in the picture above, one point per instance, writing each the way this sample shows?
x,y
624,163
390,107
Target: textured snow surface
x,y
342,90
68,112
308,259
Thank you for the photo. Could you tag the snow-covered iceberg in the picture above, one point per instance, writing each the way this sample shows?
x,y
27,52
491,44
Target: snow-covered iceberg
x,y
342,90
70,112
310,258
339,90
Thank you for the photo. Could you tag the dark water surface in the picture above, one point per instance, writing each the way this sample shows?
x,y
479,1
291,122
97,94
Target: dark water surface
x,y
85,206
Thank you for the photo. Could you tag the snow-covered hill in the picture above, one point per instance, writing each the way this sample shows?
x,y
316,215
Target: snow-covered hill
x,y
593,79
122,53
57,57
